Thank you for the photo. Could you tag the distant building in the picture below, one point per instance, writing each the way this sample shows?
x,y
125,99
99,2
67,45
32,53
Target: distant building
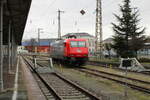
x,y
90,40
21,49
42,46
105,51
108,40
145,51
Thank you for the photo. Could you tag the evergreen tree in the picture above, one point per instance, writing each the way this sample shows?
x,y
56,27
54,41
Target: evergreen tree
x,y
128,35
119,46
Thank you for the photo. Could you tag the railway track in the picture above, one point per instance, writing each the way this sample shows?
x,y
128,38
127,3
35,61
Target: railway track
x,y
137,84
140,85
45,89
57,87
48,91
143,86
114,66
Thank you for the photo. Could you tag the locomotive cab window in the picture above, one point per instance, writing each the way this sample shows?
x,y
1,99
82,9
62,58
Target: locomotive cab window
x,y
81,44
74,44
78,44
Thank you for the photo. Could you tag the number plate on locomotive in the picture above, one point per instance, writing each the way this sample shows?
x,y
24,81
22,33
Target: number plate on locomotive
x,y
78,50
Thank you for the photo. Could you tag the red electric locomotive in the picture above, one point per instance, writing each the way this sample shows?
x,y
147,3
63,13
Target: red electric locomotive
x,y
70,51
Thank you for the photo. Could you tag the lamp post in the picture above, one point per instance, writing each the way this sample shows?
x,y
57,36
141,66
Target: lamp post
x,y
59,23
39,31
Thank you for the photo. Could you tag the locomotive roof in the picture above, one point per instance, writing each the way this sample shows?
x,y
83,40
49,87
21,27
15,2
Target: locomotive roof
x,y
78,34
66,40
75,39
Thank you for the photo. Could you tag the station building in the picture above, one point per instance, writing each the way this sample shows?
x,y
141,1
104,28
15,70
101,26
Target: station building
x,y
13,17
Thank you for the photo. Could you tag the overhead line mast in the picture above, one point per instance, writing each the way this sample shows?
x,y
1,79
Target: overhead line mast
x,y
98,28
59,24
39,31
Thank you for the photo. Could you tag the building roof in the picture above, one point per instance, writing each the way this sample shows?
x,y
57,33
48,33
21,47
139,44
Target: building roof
x,y
78,34
43,42
17,12
108,40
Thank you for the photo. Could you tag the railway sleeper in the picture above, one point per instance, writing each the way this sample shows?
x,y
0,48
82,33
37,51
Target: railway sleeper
x,y
76,97
74,94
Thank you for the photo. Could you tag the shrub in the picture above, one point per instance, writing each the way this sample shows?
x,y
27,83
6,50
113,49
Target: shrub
x,y
144,60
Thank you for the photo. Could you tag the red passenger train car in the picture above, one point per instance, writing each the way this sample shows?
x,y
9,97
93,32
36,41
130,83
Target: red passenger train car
x,y
70,51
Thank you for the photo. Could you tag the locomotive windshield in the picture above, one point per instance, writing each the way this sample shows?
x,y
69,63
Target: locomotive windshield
x,y
78,44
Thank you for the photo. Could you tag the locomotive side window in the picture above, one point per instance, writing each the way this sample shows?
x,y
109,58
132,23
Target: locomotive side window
x,y
78,44
81,43
74,43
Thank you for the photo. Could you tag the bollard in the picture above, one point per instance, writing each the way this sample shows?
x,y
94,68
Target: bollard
x,y
60,68
51,62
35,66
110,66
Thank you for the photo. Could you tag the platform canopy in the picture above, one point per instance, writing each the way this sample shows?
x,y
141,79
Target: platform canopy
x,y
16,12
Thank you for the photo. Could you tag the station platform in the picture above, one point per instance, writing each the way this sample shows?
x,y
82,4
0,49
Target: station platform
x,y
19,84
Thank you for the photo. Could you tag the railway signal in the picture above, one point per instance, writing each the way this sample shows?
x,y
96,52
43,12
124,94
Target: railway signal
x,y
82,12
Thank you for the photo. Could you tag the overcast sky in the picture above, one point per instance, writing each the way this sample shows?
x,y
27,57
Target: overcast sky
x,y
43,14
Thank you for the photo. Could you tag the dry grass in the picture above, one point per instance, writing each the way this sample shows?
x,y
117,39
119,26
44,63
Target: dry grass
x,y
115,71
104,88
104,59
